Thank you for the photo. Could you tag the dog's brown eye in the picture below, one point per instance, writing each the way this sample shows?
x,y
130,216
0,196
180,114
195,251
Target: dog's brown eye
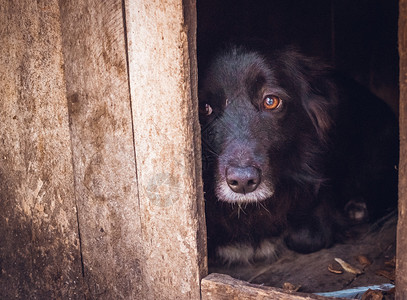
x,y
271,102
206,111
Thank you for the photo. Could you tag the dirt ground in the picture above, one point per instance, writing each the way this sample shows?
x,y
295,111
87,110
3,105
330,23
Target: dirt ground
x,y
372,252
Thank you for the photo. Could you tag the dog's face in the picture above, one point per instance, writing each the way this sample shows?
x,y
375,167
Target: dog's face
x,y
257,113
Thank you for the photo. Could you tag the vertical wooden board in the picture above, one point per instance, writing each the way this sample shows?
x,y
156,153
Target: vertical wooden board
x,y
162,66
39,244
103,152
401,276
191,66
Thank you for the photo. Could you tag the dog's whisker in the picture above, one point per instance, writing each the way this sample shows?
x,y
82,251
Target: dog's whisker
x,y
263,206
240,209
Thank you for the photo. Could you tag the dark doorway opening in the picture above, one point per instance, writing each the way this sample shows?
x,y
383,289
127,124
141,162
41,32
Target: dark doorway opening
x,y
358,38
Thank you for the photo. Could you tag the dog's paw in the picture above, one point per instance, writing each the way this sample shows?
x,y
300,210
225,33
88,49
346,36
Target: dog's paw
x,y
356,211
246,254
267,251
238,253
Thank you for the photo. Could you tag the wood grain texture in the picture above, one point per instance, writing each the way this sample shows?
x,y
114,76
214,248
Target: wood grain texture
x,y
162,65
39,244
223,287
401,273
76,221
103,153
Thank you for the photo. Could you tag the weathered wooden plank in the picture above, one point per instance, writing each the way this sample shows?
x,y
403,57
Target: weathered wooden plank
x,y
223,287
401,273
162,65
103,153
39,245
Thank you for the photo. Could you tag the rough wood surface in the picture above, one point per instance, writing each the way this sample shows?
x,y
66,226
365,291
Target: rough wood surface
x,y
39,245
223,287
401,275
310,271
102,140
161,39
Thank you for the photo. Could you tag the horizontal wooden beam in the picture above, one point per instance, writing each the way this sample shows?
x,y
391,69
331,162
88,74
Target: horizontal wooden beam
x,y
223,287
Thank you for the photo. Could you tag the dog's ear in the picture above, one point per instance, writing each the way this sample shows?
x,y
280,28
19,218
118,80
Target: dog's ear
x,y
318,93
319,109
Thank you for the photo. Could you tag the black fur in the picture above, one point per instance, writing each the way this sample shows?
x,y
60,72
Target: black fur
x,y
329,149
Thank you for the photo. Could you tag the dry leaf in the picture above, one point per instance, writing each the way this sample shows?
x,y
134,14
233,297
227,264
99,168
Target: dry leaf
x,y
372,295
347,267
363,260
290,287
334,270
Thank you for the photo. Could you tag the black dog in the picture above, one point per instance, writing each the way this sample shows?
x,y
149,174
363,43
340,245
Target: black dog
x,y
290,150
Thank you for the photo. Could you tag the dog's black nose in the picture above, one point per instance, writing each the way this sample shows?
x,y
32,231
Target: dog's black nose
x,y
243,180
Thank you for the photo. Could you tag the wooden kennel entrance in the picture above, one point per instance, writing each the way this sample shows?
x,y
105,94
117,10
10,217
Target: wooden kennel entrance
x,y
100,184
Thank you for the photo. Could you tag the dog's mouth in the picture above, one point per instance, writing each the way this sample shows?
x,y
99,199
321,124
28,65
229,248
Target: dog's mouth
x,y
225,192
